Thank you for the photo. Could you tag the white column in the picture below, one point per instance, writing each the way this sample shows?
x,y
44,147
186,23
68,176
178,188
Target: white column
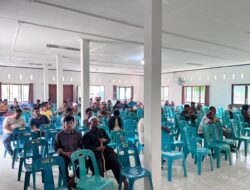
x,y
45,82
85,74
59,82
152,88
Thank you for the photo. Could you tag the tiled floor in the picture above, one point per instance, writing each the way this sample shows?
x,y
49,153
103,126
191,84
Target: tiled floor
x,y
235,177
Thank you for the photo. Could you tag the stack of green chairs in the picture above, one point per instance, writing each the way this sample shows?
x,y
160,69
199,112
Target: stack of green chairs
x,y
236,132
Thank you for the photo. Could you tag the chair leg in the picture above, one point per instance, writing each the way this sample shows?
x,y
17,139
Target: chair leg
x,y
20,169
26,180
199,163
218,158
239,143
5,153
34,180
131,184
211,162
169,170
246,148
184,167
14,158
229,156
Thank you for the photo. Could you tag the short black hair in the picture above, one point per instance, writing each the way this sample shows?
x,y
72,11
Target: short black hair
x,y
68,109
18,110
38,100
212,108
87,110
116,113
186,106
68,118
245,107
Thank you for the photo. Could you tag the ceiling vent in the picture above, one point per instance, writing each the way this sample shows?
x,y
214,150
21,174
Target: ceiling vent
x,y
62,47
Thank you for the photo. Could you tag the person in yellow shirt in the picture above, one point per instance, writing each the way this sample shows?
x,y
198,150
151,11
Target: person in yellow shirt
x,y
45,111
4,108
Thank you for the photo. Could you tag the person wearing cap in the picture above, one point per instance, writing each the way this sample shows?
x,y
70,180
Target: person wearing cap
x,y
68,141
9,124
75,109
96,139
45,111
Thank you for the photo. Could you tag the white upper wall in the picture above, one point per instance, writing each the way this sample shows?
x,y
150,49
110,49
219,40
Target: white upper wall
x,y
106,80
220,88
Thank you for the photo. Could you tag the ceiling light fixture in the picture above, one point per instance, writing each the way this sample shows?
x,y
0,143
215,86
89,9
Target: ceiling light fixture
x,y
142,62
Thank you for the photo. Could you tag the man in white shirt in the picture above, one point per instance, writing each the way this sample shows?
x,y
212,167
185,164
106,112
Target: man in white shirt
x,y
9,124
209,118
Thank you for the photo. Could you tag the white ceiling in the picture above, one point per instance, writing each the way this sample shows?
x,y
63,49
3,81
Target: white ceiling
x,y
207,32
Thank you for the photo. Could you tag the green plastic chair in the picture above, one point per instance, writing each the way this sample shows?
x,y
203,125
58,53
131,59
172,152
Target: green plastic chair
x,y
117,137
86,182
236,131
132,173
190,146
105,128
218,131
45,165
169,155
211,142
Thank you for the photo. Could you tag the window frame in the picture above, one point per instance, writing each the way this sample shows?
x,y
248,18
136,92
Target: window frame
x,y
246,94
132,92
192,100
162,89
103,98
20,95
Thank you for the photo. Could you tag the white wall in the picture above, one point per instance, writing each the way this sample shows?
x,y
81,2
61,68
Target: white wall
x,y
106,80
220,89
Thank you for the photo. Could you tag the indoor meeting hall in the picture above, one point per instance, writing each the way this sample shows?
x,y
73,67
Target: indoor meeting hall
x,y
124,94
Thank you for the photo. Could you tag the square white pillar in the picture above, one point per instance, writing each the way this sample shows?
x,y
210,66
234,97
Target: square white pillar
x,y
45,82
59,82
85,75
152,88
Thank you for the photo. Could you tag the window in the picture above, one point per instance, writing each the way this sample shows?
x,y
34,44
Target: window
x,y
164,93
240,94
94,91
18,91
195,94
124,93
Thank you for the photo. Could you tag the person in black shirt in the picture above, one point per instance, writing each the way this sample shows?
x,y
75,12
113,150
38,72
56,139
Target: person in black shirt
x,y
97,140
115,121
230,111
37,120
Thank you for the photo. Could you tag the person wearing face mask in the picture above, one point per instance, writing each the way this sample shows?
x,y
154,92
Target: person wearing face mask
x,y
96,139
9,124
68,141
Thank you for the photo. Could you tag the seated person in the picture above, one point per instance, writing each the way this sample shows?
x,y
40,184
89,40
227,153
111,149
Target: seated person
x,y
68,112
9,124
125,105
199,108
230,111
37,120
103,110
4,108
193,108
188,114
110,106
62,109
89,114
45,111
118,105
115,122
210,118
37,103
96,140
15,105
132,103
244,112
68,141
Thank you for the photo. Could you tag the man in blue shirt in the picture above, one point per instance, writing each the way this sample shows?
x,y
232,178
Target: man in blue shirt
x,y
37,120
